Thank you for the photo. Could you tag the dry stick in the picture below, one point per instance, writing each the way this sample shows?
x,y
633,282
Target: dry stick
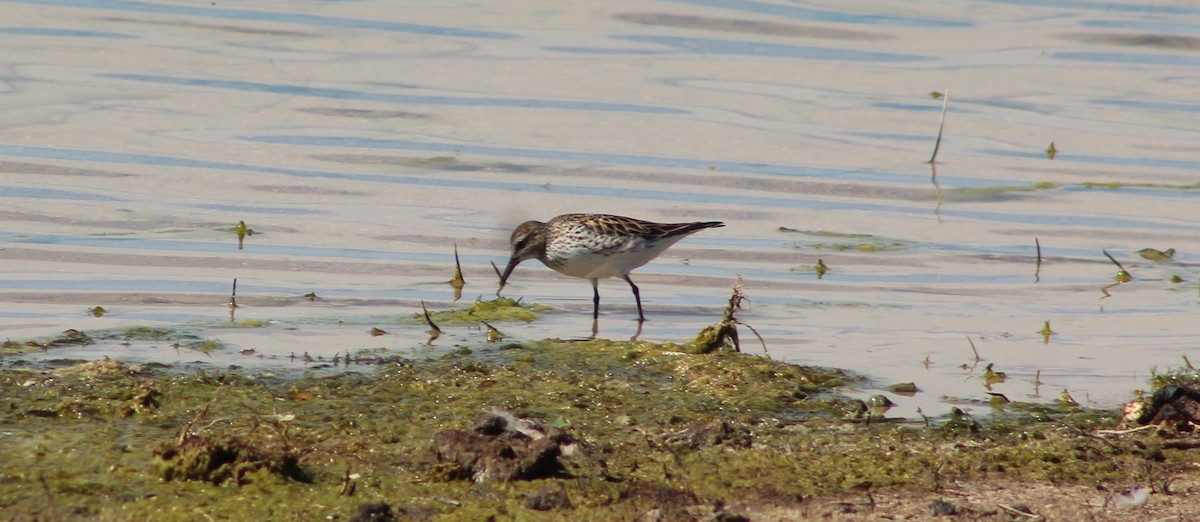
x,y
1128,431
941,126
1110,258
756,334
977,358
937,208
46,490
1037,274
1016,511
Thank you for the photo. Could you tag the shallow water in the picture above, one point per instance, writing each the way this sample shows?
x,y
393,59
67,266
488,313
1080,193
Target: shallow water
x,y
362,142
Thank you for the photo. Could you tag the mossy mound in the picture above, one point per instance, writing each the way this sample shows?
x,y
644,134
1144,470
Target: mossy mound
x,y
225,458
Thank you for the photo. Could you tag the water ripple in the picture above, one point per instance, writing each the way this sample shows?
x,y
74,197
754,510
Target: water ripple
x,y
792,201
41,193
712,46
818,15
407,99
1129,58
74,33
205,10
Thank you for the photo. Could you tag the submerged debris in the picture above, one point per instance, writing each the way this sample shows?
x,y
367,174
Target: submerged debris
x,y
242,232
991,376
1156,255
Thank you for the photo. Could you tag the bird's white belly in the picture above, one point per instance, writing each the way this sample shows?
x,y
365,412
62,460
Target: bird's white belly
x,y
588,263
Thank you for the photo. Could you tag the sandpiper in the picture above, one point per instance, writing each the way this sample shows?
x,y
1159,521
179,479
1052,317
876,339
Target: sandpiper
x,y
593,246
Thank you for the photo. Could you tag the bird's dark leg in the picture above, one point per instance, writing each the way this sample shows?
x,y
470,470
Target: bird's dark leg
x,y
595,300
637,296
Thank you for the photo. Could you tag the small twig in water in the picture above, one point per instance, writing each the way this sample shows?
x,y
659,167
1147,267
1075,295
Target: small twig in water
x,y
1037,273
977,357
941,126
1123,276
937,208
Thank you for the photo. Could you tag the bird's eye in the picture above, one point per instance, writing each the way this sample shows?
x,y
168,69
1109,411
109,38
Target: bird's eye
x,y
521,244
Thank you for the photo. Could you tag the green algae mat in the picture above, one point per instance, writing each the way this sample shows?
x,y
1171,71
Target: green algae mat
x,y
550,430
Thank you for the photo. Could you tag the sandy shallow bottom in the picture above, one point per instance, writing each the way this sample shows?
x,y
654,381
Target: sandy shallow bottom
x,y
361,143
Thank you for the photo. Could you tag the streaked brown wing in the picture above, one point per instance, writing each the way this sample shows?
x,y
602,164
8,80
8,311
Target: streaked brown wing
x,y
611,225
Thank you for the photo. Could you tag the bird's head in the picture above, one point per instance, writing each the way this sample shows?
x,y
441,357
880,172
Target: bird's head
x,y
528,241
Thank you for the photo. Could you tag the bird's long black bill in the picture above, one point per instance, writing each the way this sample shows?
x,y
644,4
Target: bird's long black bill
x,y
512,263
